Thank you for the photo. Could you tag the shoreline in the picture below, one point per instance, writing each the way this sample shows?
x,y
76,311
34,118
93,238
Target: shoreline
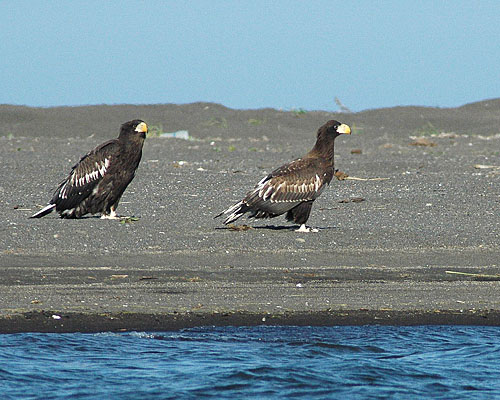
x,y
45,322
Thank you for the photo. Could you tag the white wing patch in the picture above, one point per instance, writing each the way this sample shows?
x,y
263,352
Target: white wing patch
x,y
267,193
260,186
276,192
317,183
75,180
314,185
63,193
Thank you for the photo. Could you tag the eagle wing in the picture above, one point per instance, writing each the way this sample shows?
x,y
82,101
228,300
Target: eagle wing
x,y
85,176
285,187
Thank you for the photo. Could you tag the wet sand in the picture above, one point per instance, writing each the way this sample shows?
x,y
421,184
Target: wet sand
x,y
420,246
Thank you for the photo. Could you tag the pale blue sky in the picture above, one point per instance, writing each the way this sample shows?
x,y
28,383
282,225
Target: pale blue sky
x,y
250,54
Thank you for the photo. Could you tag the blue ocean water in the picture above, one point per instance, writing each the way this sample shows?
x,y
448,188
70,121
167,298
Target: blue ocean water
x,y
255,362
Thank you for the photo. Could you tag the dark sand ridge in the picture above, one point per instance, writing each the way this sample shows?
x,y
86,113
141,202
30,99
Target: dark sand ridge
x,y
422,247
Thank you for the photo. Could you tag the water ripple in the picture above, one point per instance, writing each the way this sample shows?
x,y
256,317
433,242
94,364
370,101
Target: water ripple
x,y
259,362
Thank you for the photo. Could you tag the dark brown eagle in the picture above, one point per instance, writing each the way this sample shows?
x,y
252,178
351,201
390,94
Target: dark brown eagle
x,y
293,187
99,179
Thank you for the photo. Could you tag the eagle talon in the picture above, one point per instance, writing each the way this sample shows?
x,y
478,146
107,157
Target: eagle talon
x,y
303,228
111,217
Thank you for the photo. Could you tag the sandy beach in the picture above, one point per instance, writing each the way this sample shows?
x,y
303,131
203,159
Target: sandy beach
x,y
414,238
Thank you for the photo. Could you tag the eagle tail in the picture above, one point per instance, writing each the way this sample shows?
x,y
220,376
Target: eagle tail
x,y
44,211
235,212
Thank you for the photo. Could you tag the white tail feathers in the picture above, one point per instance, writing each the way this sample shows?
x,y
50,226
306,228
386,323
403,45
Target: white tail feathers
x,y
44,211
234,211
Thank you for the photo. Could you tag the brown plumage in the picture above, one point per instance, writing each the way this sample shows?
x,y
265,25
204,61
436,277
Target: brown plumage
x,y
97,182
293,187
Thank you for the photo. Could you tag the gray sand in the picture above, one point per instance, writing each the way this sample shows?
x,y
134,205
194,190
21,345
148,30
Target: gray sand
x,y
391,258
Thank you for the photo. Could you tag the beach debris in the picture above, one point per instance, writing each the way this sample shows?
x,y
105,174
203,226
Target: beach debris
x,y
481,166
475,275
128,220
356,151
352,200
299,285
300,240
354,178
36,301
55,316
440,135
178,164
239,227
147,278
422,141
263,138
489,137
122,276
182,134
342,176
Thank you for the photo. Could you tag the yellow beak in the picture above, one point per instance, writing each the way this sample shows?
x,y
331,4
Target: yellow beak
x,y
142,127
343,128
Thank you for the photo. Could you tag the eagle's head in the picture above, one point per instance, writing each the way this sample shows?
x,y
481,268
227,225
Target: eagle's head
x,y
326,136
134,128
336,128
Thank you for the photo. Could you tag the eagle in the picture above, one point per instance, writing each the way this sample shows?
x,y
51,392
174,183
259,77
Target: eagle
x,y
293,187
96,183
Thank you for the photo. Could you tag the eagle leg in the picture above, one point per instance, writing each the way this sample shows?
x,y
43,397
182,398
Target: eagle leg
x,y
300,213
